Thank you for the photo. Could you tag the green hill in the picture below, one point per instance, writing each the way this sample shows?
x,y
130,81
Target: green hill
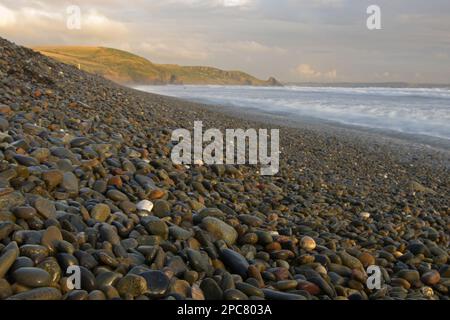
x,y
127,68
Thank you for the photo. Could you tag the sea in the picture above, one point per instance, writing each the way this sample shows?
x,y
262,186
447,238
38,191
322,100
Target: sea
x,y
415,111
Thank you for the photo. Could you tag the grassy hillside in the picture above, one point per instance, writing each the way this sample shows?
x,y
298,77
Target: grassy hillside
x,y
124,67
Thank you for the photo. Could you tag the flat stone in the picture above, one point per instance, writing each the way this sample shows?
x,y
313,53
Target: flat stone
x,y
6,261
41,154
11,200
51,236
431,278
350,261
32,277
235,261
157,283
5,289
212,212
4,124
6,228
52,178
100,186
220,230
25,213
116,195
250,220
132,284
277,295
45,208
233,294
177,265
211,289
264,237
70,182
178,233
199,262
34,252
161,208
157,227
80,142
410,275
51,265
38,294
100,212
108,233
26,161
249,290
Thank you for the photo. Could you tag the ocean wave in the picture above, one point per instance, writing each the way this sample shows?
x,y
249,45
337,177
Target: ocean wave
x,y
409,110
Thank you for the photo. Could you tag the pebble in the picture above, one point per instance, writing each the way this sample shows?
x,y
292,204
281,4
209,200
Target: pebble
x,y
157,283
5,289
116,195
11,200
5,229
32,277
157,227
199,261
6,261
45,208
249,290
133,285
211,212
233,294
211,289
38,294
70,182
220,230
431,278
235,261
277,295
178,233
308,243
51,236
364,215
25,212
409,275
145,205
161,208
100,212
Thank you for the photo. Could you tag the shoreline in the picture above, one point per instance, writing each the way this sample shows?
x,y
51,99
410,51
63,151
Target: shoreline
x,y
396,140
416,140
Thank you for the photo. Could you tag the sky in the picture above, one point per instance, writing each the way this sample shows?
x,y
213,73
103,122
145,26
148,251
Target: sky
x,y
292,40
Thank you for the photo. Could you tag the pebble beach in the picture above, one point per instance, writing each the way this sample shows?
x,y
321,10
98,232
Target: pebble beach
x,y
86,180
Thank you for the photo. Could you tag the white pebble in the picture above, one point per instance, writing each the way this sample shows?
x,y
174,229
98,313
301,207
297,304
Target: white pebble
x,y
364,215
198,162
145,205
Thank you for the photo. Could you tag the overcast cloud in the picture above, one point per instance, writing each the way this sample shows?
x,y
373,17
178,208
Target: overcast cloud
x,y
293,40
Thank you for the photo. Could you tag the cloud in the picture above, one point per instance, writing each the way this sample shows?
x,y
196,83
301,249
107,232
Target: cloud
x,y
99,25
262,37
45,25
235,3
7,16
307,72
251,46
209,3
162,51
327,3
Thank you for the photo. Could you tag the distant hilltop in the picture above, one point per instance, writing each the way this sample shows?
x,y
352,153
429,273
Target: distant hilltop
x,y
127,68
